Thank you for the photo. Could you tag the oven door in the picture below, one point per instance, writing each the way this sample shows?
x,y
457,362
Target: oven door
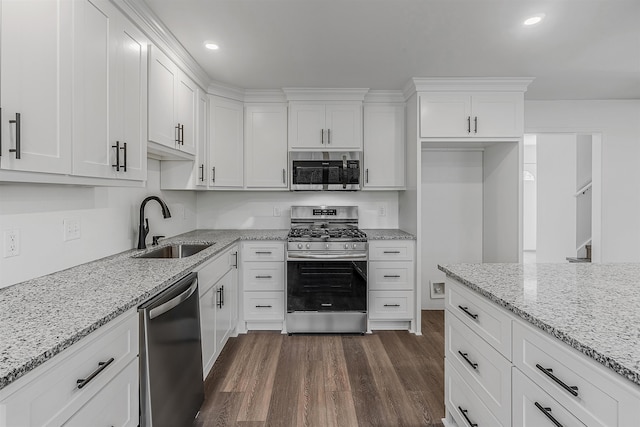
x,y
326,285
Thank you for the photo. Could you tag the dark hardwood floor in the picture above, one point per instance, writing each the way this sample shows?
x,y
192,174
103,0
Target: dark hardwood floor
x,y
388,378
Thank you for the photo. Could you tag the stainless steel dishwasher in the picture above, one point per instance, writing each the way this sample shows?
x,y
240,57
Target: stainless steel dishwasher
x,y
171,387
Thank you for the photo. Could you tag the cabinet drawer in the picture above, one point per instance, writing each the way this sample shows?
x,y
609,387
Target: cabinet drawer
x,y
261,251
396,305
264,305
115,405
599,400
463,404
263,276
212,271
486,319
388,250
49,394
532,407
485,370
391,276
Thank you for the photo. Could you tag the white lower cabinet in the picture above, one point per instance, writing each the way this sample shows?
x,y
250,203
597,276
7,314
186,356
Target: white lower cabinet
x,y
218,287
263,279
53,394
498,365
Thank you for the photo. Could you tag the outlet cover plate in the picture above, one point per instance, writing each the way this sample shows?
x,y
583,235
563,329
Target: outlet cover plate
x,y
11,243
71,228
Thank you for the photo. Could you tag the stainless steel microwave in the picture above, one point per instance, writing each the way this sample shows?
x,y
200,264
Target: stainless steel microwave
x,y
325,170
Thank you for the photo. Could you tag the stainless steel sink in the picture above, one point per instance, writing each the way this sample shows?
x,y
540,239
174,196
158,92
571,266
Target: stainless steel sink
x,y
176,251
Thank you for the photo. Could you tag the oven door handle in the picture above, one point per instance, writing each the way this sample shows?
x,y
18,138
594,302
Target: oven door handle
x,y
340,256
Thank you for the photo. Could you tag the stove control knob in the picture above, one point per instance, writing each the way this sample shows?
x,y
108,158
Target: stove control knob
x,y
327,246
308,245
355,245
346,246
299,245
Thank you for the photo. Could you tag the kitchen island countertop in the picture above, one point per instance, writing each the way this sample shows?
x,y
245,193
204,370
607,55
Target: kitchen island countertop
x,y
594,308
41,317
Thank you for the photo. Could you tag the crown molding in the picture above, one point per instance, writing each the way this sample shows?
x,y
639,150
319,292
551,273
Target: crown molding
x,y
324,94
466,84
265,96
384,96
226,91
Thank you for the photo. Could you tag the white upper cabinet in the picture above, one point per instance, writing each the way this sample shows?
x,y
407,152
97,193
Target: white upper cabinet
x,y
325,126
266,146
226,143
384,146
172,104
35,85
109,105
201,163
480,115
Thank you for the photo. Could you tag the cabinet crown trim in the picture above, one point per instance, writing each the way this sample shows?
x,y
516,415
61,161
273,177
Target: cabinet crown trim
x,y
467,84
324,94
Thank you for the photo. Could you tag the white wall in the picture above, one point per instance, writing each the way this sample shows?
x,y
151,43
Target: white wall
x,y
452,183
244,209
556,185
108,217
618,121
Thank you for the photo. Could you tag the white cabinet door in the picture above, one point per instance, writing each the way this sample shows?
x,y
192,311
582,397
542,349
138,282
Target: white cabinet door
x,y
163,74
497,115
225,299
344,126
266,146
201,163
208,327
187,96
35,85
226,144
445,115
384,147
110,93
307,126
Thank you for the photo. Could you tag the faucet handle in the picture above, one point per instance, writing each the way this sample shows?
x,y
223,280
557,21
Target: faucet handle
x,y
156,239
146,226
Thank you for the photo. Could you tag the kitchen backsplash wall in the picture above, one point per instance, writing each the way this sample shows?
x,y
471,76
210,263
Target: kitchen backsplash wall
x,y
108,219
256,209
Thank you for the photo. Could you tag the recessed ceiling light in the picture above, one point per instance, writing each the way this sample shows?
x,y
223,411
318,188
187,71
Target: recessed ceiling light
x,y
534,19
211,46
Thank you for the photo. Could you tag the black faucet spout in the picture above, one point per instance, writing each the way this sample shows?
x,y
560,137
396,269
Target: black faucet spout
x,y
143,228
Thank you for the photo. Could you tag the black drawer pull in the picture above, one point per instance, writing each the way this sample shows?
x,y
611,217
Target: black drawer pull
x,y
464,414
470,314
264,277
391,252
17,123
549,372
547,413
263,306
394,276
101,367
464,356
392,305
264,252
117,147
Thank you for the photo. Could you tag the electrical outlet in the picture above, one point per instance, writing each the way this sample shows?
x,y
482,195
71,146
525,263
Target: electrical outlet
x,y
71,229
277,211
11,243
382,210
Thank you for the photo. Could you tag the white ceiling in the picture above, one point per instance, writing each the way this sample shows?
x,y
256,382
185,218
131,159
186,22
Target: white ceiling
x,y
583,49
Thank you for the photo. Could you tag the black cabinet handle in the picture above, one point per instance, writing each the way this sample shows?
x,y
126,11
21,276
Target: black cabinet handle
x,y
466,417
182,134
366,176
475,124
213,174
177,134
219,303
284,176
263,306
392,276
264,252
328,136
101,367
547,413
264,277
202,172
17,149
124,148
392,305
322,136
464,356
549,372
470,314
236,264
117,147
468,124
391,252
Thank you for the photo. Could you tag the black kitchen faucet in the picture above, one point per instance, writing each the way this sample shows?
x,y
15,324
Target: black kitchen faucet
x,y
143,229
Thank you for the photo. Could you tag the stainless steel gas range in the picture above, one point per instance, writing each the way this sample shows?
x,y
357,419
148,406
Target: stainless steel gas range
x,y
326,271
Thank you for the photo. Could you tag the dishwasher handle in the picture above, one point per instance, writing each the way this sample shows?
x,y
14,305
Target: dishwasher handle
x,y
174,302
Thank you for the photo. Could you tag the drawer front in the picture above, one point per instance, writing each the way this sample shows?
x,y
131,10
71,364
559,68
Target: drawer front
x,y
212,271
264,305
115,405
388,276
389,250
263,251
596,400
484,318
485,370
263,276
396,305
50,393
463,404
532,407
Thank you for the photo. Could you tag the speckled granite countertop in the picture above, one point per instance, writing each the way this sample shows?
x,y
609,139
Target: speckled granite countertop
x,y
387,234
41,317
594,308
